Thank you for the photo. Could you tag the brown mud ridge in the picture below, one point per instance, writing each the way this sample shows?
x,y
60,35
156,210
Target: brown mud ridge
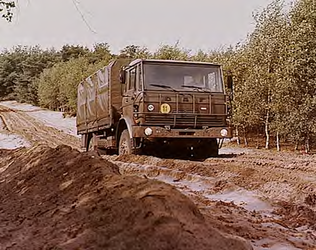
x,y
265,197
63,199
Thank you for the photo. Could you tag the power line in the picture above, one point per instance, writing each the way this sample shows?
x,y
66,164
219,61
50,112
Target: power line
x,y
76,4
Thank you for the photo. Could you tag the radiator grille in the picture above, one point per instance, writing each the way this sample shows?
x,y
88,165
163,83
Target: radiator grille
x,y
189,120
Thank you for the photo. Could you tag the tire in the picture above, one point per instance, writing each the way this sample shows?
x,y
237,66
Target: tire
x,y
91,144
206,150
92,147
213,148
125,144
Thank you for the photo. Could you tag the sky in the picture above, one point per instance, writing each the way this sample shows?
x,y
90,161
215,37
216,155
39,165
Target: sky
x,y
195,24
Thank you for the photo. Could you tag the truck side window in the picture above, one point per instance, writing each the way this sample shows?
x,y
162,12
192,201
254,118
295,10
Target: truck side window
x,y
139,77
132,79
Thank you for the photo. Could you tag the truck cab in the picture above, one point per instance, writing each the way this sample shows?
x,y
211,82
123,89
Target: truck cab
x,y
175,106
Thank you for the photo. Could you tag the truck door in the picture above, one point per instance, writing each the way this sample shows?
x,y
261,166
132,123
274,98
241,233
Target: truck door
x,y
129,95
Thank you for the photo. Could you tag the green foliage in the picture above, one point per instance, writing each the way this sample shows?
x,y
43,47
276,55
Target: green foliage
x,y
167,52
100,52
135,52
69,52
275,73
57,86
6,9
20,67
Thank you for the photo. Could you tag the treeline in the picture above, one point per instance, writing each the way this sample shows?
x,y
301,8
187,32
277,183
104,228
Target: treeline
x,y
274,73
48,77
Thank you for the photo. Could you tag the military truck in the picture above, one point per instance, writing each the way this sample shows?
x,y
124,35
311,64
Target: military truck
x,y
174,107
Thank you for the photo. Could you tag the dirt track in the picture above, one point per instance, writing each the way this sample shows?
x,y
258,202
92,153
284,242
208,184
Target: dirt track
x,y
34,131
268,198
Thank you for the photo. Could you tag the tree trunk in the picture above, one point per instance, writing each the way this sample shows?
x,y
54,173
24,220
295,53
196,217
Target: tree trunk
x,y
278,142
266,128
245,138
307,146
257,139
238,138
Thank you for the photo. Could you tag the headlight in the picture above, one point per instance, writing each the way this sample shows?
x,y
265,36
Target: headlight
x,y
151,107
148,131
224,132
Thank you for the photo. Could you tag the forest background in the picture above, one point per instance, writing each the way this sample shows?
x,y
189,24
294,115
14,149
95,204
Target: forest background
x,y
274,72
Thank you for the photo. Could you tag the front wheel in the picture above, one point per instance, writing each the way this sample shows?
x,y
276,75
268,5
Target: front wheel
x,y
213,148
206,149
125,144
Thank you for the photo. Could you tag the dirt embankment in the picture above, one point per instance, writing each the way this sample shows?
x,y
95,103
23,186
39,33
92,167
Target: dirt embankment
x,y
266,197
63,199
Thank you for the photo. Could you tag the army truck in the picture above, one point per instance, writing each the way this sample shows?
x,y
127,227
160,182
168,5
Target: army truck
x,y
176,107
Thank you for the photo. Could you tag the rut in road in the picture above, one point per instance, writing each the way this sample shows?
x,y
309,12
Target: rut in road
x,y
35,131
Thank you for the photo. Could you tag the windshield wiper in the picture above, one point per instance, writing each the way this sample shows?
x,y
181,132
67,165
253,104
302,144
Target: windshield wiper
x,y
196,88
162,86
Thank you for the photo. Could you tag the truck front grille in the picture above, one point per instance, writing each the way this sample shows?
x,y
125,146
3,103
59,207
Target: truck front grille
x,y
185,120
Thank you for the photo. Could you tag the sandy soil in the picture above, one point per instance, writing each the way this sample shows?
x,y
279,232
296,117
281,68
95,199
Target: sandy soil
x,y
60,198
33,130
265,197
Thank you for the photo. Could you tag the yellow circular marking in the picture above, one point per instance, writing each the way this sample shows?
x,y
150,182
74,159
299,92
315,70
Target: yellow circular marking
x,y
165,108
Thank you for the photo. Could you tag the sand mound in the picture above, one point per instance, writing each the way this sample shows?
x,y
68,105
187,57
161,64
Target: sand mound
x,y
62,199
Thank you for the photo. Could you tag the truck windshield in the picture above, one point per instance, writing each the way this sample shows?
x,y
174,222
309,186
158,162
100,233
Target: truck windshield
x,y
183,77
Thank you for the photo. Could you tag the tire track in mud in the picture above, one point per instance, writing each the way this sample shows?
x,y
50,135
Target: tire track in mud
x,y
250,172
210,184
34,131
3,125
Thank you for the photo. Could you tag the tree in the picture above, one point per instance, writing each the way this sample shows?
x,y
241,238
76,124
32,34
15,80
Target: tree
x,y
19,67
6,9
134,51
57,86
69,52
100,52
167,52
302,70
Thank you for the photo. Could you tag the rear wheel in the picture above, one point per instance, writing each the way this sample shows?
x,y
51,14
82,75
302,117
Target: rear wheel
x,y
91,143
92,146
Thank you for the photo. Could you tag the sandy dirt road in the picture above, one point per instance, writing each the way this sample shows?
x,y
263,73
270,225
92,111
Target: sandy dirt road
x,y
33,130
266,197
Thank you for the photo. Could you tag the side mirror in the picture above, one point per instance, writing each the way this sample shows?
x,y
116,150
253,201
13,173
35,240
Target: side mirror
x,y
230,82
122,76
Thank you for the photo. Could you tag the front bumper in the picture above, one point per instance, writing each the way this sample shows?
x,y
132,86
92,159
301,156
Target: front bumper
x,y
162,132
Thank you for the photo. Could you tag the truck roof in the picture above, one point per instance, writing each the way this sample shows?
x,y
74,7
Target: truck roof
x,y
171,61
